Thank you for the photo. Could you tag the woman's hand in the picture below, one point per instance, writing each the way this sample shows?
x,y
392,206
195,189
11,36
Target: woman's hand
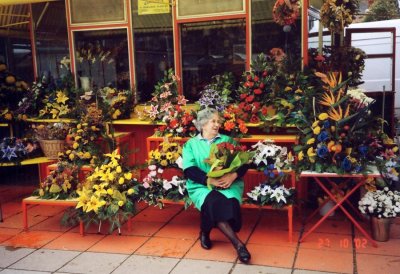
x,y
223,181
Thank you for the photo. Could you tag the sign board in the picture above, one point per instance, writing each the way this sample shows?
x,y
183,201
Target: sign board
x,y
146,7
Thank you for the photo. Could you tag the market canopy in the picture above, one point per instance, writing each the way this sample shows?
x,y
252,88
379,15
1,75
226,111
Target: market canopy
x,y
18,2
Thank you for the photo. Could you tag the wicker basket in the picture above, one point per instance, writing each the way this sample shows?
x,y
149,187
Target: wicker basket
x,y
51,148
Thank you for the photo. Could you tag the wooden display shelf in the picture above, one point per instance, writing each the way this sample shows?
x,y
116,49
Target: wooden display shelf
x,y
33,161
32,200
60,120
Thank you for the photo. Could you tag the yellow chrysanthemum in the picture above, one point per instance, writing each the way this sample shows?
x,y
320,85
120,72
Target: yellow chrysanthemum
x,y
316,130
118,169
323,116
131,191
128,176
310,141
121,180
75,145
120,203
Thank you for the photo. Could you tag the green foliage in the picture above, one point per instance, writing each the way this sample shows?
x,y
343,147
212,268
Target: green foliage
x,y
382,10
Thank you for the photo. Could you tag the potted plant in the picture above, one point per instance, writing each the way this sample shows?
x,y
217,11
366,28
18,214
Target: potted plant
x,y
382,206
51,138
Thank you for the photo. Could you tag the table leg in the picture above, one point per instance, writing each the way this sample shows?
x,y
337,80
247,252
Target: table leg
x,y
290,223
1,214
25,215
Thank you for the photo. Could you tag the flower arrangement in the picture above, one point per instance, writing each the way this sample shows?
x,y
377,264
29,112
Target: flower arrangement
x,y
226,157
255,93
383,203
217,93
166,106
178,123
166,155
338,14
14,150
155,188
286,12
276,196
12,90
342,136
349,60
270,158
108,193
291,92
61,183
233,125
83,148
51,131
56,105
118,103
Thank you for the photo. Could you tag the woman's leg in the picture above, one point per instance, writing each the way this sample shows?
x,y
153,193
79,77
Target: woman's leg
x,y
241,249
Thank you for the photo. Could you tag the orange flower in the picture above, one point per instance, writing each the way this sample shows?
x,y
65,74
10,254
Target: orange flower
x,y
229,125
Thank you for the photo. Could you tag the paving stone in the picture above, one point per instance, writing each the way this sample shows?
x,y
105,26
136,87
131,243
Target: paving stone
x,y
199,267
19,271
92,262
259,269
301,271
146,264
45,260
10,255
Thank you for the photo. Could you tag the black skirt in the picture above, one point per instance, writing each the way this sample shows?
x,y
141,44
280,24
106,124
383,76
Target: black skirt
x,y
217,208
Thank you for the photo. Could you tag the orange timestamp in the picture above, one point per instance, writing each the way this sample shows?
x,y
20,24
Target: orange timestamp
x,y
358,243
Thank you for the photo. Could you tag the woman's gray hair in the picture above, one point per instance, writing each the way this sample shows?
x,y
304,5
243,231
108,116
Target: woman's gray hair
x,y
203,116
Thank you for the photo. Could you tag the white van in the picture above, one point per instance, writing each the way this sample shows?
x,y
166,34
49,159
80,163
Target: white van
x,y
378,71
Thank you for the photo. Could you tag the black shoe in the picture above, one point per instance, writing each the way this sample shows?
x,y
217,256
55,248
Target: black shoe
x,y
243,253
205,240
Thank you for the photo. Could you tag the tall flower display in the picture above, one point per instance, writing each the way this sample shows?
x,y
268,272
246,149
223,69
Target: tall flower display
x,y
108,193
338,14
255,92
167,107
341,135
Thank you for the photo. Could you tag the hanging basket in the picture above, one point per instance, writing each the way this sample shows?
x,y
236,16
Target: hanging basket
x,y
51,148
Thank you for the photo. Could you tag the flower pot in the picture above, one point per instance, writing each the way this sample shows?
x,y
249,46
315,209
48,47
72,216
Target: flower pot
x,y
51,148
380,228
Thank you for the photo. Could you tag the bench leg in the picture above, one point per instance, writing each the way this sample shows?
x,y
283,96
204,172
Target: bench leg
x,y
25,215
290,223
81,228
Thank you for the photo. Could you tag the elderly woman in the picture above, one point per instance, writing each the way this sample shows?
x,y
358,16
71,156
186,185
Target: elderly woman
x,y
219,207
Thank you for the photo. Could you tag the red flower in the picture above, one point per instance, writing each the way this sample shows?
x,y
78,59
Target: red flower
x,y
319,58
243,96
173,123
249,84
264,110
256,79
262,85
265,73
257,91
250,99
242,127
254,119
248,77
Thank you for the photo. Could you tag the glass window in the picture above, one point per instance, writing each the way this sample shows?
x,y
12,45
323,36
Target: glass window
x,y
266,34
97,11
211,48
154,50
103,57
20,59
196,8
51,38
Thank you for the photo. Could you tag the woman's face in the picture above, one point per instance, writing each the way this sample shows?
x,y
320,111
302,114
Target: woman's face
x,y
211,128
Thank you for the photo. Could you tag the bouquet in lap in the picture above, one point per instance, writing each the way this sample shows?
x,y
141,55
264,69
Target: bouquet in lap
x,y
225,158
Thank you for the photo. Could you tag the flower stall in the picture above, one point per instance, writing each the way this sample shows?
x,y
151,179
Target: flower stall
x,y
296,112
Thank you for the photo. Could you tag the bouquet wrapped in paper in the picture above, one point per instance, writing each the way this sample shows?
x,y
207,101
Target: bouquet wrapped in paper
x,y
225,158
